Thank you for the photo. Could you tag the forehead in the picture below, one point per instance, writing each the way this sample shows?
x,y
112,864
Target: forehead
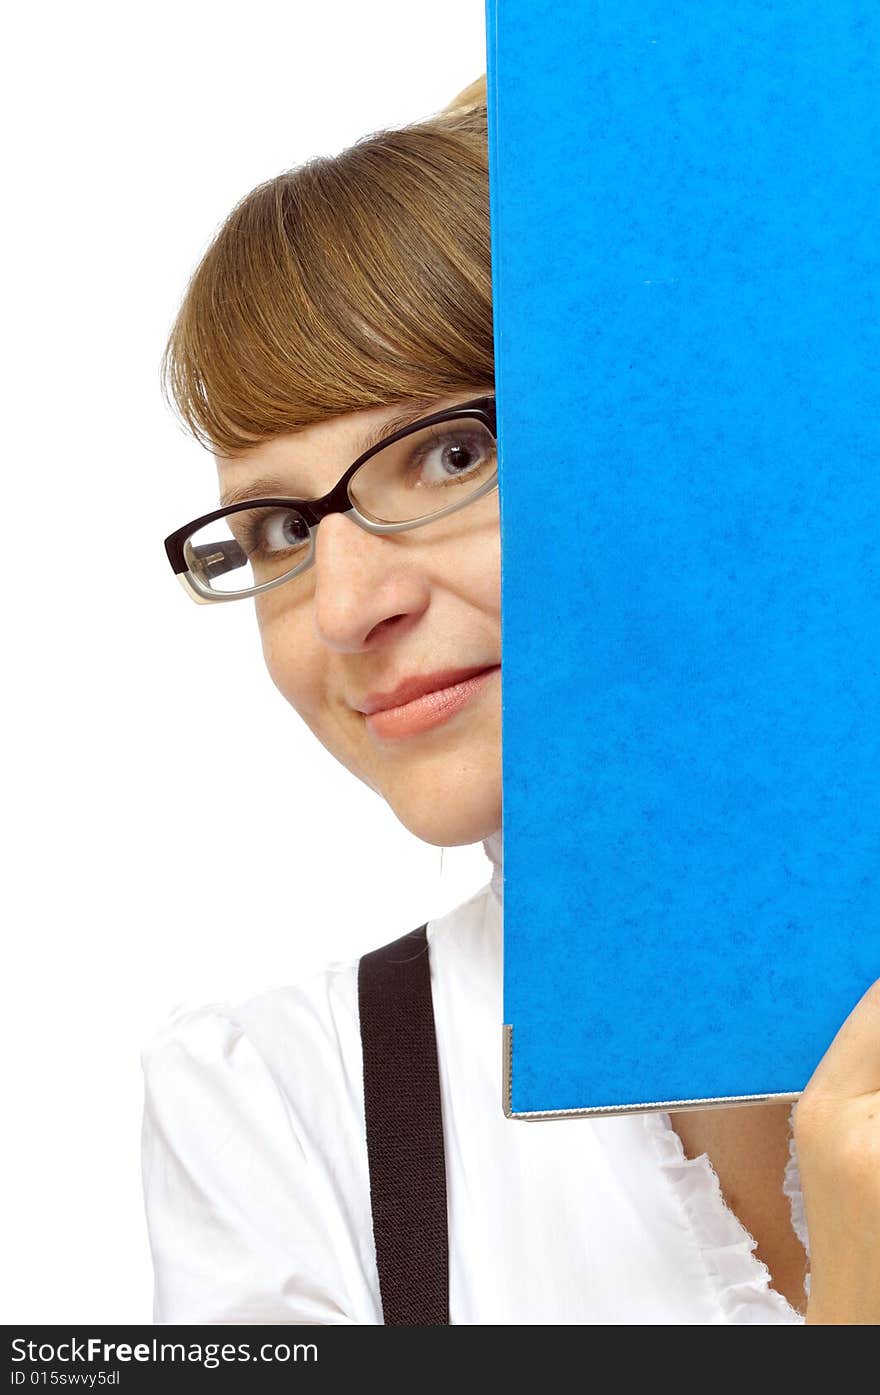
x,y
308,462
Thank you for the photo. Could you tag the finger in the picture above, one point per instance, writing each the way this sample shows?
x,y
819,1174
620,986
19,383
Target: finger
x,y
851,1065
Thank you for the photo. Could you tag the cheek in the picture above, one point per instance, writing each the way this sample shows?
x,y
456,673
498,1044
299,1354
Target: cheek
x,y
294,664
482,573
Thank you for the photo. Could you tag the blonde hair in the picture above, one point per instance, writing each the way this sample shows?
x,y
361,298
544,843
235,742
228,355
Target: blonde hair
x,y
349,282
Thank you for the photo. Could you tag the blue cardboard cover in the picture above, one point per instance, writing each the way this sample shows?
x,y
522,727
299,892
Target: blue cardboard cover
x,y
686,269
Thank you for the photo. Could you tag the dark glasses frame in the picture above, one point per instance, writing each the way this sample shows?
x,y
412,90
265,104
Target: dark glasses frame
x,y
335,501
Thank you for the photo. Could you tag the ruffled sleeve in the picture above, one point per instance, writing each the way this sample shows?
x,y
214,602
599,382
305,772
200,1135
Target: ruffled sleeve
x,y
741,1281
791,1186
236,1230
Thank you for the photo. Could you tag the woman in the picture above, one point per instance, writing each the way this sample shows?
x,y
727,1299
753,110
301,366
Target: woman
x,y
339,305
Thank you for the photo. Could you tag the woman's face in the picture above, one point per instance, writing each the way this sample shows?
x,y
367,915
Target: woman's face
x,y
375,610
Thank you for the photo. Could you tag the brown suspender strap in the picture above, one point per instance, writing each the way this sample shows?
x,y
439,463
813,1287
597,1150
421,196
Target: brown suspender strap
x,y
405,1132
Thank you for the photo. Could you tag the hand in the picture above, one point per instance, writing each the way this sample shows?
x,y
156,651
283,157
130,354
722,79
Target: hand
x,y
836,1129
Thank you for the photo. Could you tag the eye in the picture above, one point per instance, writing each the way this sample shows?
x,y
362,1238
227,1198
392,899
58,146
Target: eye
x,y
262,532
451,455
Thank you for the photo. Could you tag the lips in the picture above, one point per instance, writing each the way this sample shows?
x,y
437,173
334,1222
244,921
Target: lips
x,y
417,686
433,709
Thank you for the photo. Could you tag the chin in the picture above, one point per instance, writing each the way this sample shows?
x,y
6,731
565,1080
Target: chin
x,y
462,812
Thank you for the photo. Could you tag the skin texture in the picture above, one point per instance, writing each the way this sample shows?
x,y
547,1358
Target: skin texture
x,y
373,610
837,1131
748,1148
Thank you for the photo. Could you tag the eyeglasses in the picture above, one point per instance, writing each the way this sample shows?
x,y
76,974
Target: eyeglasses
x,y
430,469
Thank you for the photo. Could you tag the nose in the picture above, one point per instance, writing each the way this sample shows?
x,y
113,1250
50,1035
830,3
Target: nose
x,y
367,586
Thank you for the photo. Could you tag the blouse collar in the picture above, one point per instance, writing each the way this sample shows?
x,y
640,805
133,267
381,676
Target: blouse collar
x,y
493,848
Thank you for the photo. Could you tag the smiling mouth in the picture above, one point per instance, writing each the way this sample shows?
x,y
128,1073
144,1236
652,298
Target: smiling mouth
x,y
418,685
431,709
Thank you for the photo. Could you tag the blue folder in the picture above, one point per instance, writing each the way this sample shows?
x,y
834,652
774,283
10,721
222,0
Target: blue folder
x,y
685,203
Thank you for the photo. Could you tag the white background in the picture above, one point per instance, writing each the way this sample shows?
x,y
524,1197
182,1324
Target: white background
x,y
130,133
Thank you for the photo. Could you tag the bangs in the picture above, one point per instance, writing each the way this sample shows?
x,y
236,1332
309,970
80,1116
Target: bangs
x,y
348,283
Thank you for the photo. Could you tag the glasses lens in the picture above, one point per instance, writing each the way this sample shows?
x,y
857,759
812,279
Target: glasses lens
x,y
248,548
425,472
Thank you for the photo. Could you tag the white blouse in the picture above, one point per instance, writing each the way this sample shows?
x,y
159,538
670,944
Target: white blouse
x,y
256,1180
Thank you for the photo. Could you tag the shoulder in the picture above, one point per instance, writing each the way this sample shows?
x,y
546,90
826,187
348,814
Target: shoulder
x,y
303,1037
262,1056
244,1212
208,1031
255,1166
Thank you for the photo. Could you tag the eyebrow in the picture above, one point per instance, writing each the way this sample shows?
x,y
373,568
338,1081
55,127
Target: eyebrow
x,y
268,485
